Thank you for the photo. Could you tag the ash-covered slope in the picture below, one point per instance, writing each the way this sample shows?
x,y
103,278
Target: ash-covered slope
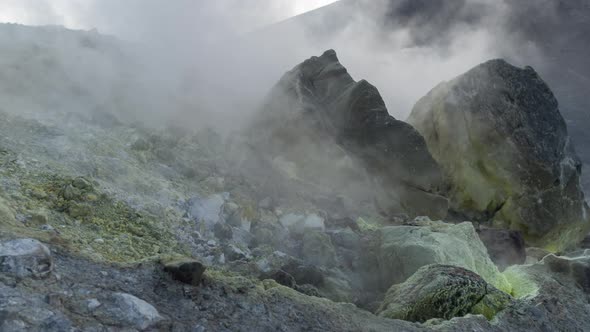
x,y
318,118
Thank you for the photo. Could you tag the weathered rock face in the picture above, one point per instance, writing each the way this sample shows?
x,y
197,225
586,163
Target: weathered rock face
x,y
321,126
442,291
498,134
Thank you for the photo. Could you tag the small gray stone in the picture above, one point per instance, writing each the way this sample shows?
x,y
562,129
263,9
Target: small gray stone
x,y
25,258
125,310
93,304
47,228
199,328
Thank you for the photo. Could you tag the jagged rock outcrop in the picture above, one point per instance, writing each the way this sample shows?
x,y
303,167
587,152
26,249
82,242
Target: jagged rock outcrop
x,y
321,126
442,291
498,134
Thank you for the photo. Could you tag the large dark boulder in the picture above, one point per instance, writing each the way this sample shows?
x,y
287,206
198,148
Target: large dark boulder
x,y
323,127
499,136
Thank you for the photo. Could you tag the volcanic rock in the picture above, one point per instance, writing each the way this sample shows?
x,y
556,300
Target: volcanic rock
x,y
442,291
335,132
499,136
405,249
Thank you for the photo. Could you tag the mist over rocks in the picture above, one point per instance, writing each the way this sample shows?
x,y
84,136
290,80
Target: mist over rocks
x,y
337,132
499,136
156,228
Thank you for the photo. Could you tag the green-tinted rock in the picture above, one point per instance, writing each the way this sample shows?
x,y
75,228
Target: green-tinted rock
x,y
442,291
499,136
405,249
71,193
79,210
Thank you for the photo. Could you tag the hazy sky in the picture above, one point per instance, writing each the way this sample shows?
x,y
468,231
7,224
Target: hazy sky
x,y
196,37
118,17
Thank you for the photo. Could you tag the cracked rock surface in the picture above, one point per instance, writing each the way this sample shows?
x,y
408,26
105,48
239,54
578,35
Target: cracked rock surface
x,y
499,136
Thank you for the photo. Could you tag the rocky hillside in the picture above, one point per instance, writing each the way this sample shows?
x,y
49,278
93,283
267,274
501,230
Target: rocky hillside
x,y
108,224
549,35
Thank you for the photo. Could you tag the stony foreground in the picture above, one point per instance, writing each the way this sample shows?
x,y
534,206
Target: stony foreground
x,y
86,296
